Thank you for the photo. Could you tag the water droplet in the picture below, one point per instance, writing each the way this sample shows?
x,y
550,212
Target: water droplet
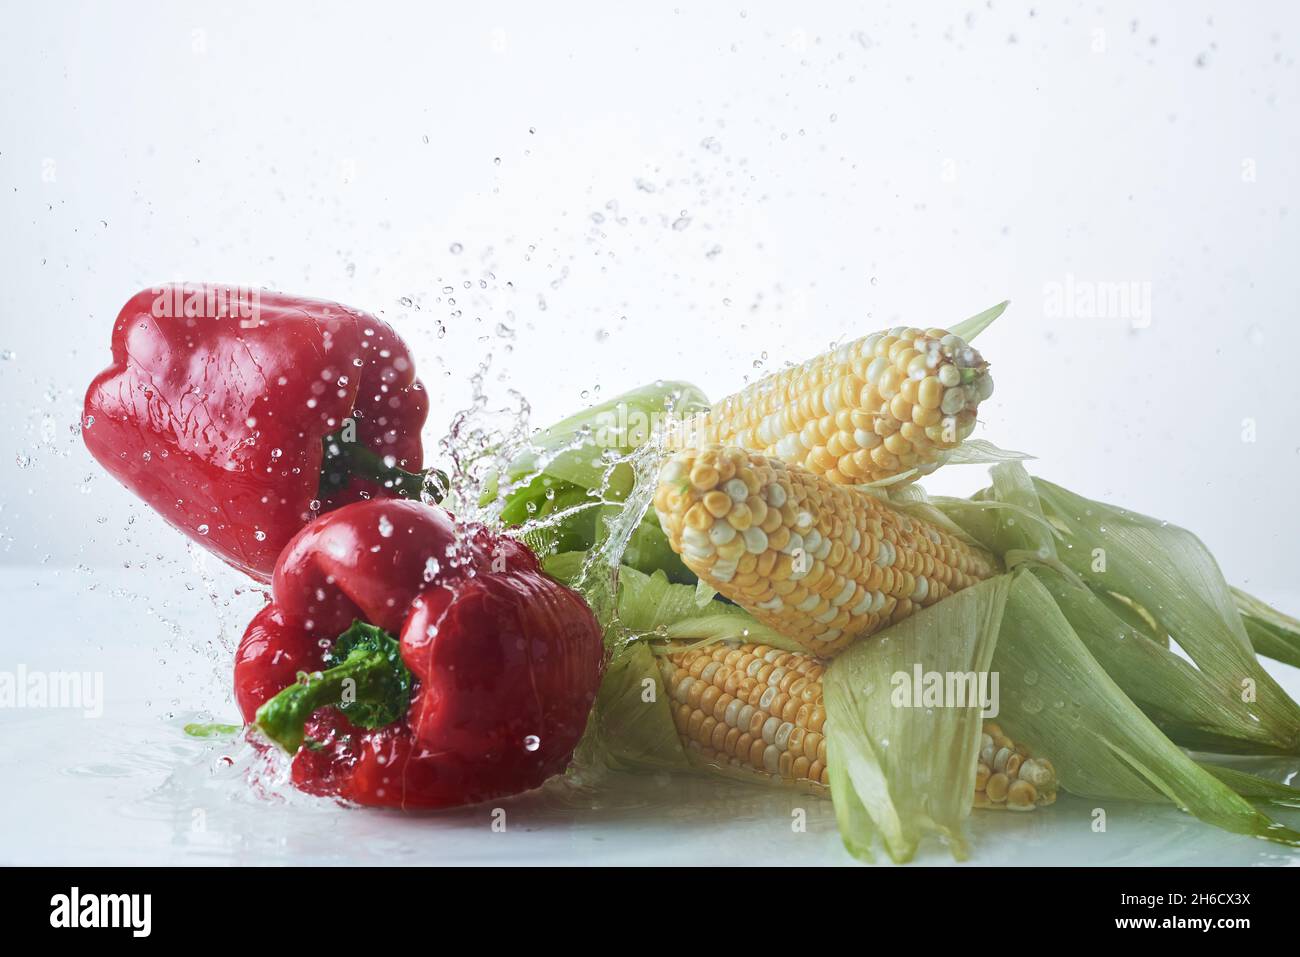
x,y
532,742
457,249
385,527
202,529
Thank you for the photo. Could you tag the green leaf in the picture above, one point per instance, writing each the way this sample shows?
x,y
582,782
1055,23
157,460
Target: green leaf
x,y
1253,787
981,452
899,770
212,730
578,474
1187,703
578,449
970,452
1271,633
565,567
1150,580
650,605
968,329
1168,571
704,593
1061,703
648,550
1008,517
633,726
1133,614
558,516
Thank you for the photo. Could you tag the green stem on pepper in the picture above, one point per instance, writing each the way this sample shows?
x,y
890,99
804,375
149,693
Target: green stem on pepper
x,y
366,680
344,460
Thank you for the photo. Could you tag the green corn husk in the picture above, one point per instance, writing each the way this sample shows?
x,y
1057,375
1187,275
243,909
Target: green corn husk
x,y
968,329
1253,787
1088,678
1271,633
1150,579
898,773
1054,697
579,471
1170,690
1184,590
631,726
1060,702
652,607
1134,615
581,449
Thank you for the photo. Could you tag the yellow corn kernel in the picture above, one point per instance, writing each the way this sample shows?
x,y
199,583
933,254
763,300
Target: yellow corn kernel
x,y
1008,777
760,709
863,564
821,414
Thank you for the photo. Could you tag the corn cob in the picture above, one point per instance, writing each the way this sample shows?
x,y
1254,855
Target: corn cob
x,y
757,708
886,404
821,563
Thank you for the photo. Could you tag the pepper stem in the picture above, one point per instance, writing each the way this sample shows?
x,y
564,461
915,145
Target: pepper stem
x,y
344,460
367,681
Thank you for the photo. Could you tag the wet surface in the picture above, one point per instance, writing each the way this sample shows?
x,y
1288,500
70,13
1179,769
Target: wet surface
x,y
130,787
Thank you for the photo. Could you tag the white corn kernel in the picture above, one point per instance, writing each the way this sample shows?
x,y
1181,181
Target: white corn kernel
x,y
719,534
755,540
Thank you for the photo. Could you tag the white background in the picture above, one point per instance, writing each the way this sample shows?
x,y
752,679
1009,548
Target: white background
x,y
694,191
340,151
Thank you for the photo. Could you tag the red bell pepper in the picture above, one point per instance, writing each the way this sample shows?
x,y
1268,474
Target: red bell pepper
x,y
240,415
410,661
